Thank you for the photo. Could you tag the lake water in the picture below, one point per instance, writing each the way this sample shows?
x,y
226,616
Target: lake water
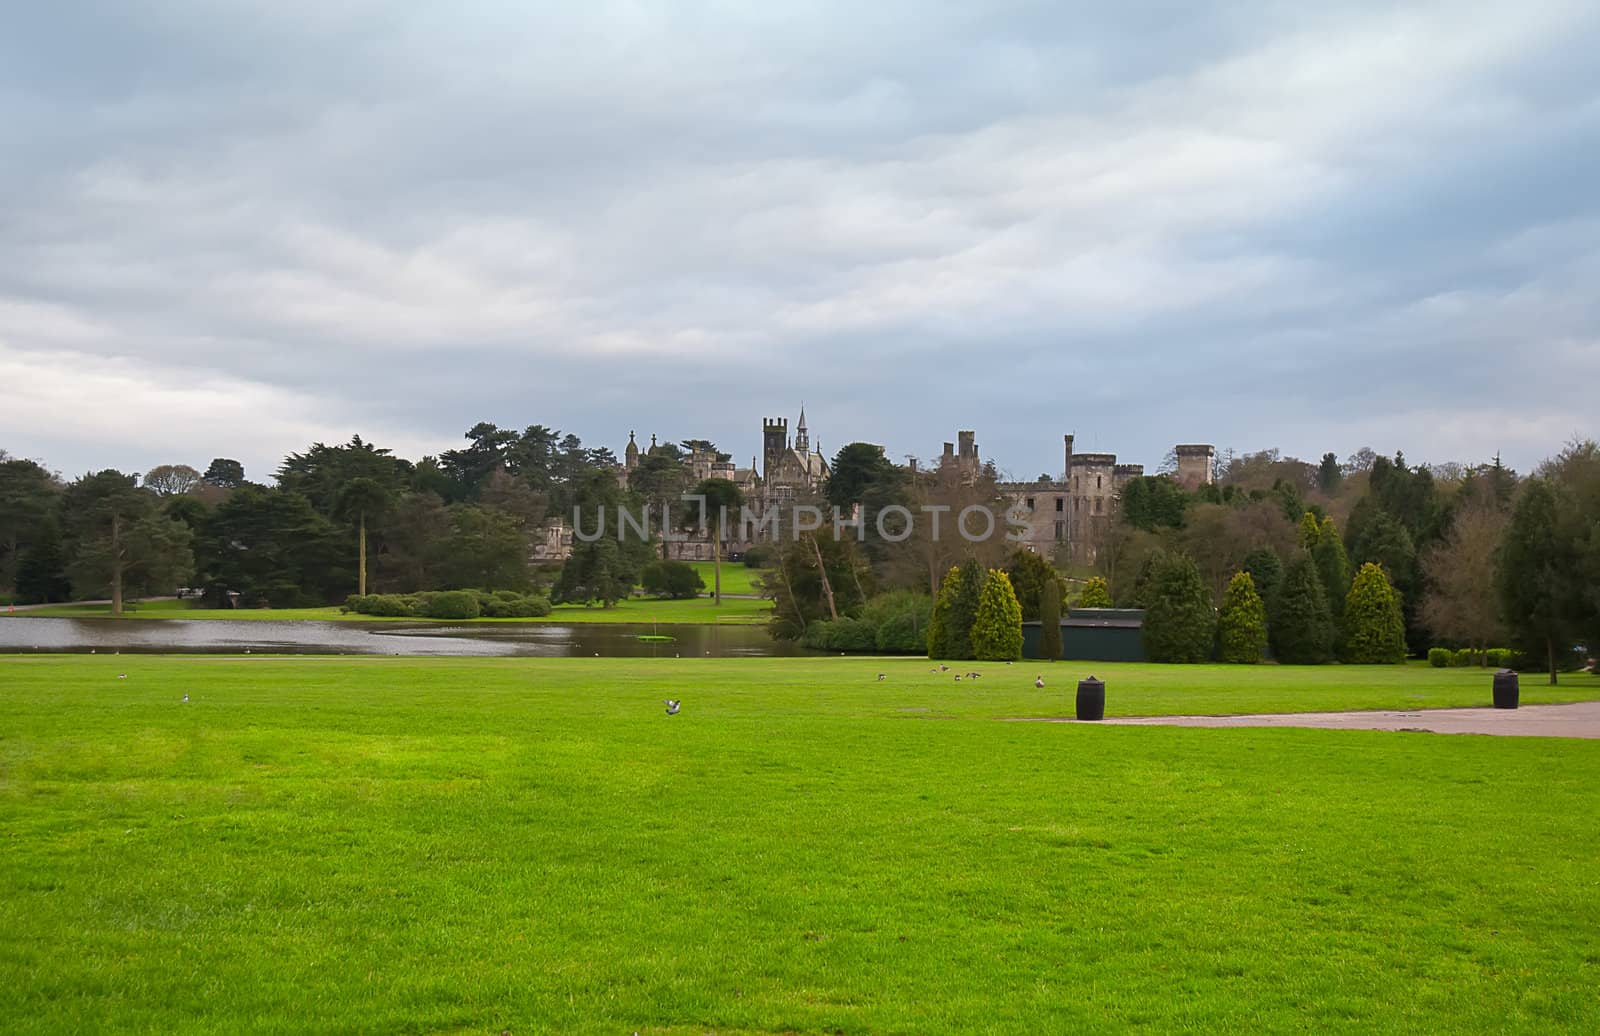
x,y
26,634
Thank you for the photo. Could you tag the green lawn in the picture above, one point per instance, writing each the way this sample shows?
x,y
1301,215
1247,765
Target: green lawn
x,y
385,844
736,577
698,610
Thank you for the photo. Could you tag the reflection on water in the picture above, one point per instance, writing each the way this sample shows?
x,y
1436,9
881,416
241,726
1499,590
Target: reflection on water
x,y
25,634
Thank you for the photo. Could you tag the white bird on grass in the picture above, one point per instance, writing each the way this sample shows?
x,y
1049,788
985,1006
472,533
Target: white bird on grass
x,y
186,698
882,675
1039,680
672,706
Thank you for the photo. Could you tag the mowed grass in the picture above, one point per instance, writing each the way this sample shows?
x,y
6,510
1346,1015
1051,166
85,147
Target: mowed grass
x,y
531,845
737,578
701,610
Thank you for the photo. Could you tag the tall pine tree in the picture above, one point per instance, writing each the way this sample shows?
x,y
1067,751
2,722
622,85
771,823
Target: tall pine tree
x,y
1301,631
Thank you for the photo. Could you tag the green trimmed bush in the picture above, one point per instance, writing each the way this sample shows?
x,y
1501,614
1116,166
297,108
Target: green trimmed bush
x,y
841,634
1440,658
389,606
1499,658
451,604
997,627
1464,658
1242,626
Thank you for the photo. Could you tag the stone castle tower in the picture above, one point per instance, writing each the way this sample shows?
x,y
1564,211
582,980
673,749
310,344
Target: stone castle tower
x,y
774,442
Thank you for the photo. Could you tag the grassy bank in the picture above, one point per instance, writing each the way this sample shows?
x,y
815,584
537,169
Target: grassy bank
x,y
381,844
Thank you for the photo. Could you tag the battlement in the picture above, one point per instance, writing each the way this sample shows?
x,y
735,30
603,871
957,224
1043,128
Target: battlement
x,y
775,423
1094,460
1128,470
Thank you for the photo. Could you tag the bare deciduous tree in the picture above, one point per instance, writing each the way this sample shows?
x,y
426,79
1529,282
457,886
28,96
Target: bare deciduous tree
x,y
1459,602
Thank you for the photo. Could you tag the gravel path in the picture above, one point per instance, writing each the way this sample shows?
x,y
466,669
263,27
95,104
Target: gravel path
x,y
1580,719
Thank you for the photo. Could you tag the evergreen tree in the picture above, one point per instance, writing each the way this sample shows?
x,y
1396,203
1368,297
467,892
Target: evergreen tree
x,y
1333,567
1096,594
1310,531
939,622
1031,576
1243,623
1533,575
1329,474
1179,621
1050,627
1374,630
963,610
1301,631
1266,572
997,625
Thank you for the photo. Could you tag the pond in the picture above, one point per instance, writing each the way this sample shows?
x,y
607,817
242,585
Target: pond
x,y
28,634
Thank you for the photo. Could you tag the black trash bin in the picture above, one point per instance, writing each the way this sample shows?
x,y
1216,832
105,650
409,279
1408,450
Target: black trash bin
x,y
1091,699
1506,691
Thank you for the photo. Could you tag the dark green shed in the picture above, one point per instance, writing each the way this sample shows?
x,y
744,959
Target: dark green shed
x,y
1094,635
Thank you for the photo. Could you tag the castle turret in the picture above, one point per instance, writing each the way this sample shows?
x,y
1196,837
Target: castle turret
x,y
1196,465
802,441
630,456
774,441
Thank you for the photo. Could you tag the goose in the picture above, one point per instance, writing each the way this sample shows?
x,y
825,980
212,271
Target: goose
x,y
186,699
882,675
1039,680
672,706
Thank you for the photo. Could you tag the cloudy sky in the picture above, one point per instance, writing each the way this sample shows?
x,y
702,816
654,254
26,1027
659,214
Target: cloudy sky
x,y
234,228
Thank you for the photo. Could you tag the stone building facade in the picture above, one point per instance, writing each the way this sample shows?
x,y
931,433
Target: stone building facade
x,y
1071,517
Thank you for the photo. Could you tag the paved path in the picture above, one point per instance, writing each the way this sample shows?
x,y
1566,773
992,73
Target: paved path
x,y
1580,719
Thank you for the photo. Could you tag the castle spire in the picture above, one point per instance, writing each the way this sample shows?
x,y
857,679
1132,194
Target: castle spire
x,y
802,441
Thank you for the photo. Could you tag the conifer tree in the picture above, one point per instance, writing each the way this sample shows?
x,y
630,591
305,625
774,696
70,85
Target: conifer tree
x,y
963,610
1310,531
1243,622
1179,621
939,622
1050,626
1300,630
997,626
1374,630
1333,567
1096,594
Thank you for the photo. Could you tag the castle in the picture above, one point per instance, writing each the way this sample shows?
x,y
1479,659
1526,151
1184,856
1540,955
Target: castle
x,y
1073,515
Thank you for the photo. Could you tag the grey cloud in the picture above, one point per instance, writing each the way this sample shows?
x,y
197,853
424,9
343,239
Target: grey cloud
x,y
1255,225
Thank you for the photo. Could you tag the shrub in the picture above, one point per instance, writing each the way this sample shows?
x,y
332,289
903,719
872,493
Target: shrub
x,y
451,604
389,606
1464,658
1300,630
1179,622
1499,658
757,557
1440,657
1096,594
674,579
901,619
1243,623
997,625
1374,631
841,634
